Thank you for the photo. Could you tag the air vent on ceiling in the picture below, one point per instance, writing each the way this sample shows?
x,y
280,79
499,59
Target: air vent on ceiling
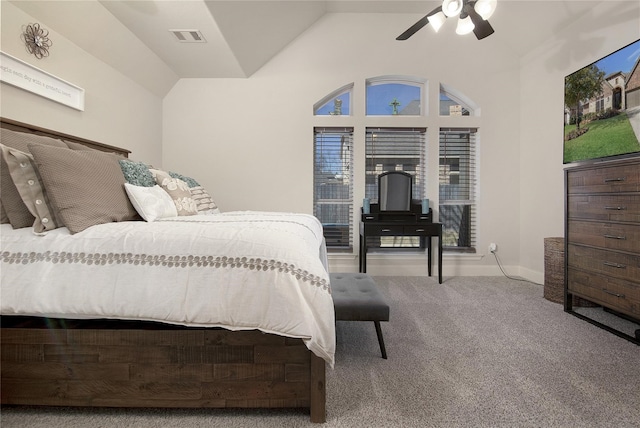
x,y
188,36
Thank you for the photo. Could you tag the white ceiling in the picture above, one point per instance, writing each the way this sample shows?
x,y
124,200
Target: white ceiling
x,y
243,35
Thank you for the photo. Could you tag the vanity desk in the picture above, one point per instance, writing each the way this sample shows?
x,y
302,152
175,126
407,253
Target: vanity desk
x,y
401,223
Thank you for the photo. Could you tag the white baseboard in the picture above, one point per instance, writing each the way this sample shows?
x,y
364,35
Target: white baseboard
x,y
398,264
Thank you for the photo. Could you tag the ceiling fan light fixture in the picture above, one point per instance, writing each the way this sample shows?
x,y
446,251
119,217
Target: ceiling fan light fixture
x,y
485,8
437,20
465,25
452,7
473,16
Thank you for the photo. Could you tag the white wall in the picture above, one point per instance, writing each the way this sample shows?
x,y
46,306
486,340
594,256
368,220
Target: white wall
x,y
249,141
117,111
580,43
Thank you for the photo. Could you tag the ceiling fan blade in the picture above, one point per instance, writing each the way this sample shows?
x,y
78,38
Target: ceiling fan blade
x,y
414,28
481,27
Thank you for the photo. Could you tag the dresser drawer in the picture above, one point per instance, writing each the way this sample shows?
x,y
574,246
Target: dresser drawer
x,y
604,179
379,230
613,236
617,294
421,229
618,265
605,207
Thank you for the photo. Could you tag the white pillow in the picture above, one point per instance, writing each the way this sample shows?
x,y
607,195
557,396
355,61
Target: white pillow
x,y
152,203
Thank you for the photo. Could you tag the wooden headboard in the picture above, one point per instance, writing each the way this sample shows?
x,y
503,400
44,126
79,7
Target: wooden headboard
x,y
14,125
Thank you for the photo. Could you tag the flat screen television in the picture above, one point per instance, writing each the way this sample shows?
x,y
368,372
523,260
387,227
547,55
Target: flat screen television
x,y
602,108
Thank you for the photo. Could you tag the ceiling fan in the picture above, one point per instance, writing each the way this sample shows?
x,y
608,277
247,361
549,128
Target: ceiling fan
x,y
473,17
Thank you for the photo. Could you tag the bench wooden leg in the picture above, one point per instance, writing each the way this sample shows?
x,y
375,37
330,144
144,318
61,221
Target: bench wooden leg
x,y
380,339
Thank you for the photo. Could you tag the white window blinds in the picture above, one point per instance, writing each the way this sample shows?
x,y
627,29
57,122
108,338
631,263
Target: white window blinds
x,y
395,149
333,185
457,183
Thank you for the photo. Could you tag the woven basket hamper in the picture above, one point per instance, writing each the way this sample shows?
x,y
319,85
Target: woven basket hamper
x,y
554,273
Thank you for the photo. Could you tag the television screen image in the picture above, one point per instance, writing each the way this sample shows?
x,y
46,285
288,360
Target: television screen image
x,y
602,108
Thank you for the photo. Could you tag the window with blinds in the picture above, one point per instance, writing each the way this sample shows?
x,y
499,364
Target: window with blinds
x,y
457,184
333,185
395,149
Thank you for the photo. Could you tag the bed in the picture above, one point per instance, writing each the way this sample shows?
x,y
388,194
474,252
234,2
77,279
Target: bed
x,y
205,309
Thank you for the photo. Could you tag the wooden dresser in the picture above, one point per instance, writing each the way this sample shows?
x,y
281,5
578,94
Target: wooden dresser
x,y
602,236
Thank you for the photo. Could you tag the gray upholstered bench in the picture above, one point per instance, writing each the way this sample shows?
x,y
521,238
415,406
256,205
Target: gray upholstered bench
x,y
356,298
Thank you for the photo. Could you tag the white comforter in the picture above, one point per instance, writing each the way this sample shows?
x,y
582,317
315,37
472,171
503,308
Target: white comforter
x,y
238,270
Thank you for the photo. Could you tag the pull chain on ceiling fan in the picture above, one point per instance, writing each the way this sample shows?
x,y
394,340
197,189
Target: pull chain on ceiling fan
x,y
473,15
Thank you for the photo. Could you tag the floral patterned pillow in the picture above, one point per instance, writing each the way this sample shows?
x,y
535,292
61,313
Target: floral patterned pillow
x,y
178,190
137,173
190,181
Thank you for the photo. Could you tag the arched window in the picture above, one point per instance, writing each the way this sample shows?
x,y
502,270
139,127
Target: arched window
x,y
337,103
455,103
395,95
395,148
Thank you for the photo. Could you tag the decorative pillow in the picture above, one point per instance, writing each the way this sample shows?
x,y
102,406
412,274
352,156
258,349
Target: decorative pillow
x,y
204,201
77,146
151,203
17,212
25,177
137,173
190,181
3,215
21,140
178,190
85,186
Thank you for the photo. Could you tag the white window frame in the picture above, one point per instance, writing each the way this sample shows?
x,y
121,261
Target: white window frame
x,y
359,122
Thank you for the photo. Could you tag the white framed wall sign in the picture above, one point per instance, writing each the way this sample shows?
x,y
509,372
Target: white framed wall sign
x,y
25,76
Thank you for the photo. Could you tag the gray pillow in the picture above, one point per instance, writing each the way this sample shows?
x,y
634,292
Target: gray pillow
x,y
17,212
86,186
28,183
3,216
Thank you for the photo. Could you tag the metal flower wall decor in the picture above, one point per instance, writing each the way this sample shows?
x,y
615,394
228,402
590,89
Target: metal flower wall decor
x,y
36,40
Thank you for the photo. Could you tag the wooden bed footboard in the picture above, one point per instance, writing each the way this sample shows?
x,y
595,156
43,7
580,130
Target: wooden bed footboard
x,y
158,366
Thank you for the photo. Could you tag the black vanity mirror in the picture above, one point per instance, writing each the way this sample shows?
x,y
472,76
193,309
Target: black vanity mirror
x,y
394,191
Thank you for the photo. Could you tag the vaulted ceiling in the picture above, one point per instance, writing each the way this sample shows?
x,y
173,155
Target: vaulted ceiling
x,y
243,35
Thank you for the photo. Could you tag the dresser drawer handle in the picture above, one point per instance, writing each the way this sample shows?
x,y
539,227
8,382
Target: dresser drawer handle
x,y
386,230
419,230
613,180
615,237
615,265
612,293
615,208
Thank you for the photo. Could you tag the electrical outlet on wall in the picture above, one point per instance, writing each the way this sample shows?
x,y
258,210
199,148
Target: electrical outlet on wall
x,y
493,247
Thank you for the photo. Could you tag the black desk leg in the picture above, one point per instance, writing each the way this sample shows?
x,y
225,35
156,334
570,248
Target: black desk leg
x,y
428,238
440,255
363,254
360,255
